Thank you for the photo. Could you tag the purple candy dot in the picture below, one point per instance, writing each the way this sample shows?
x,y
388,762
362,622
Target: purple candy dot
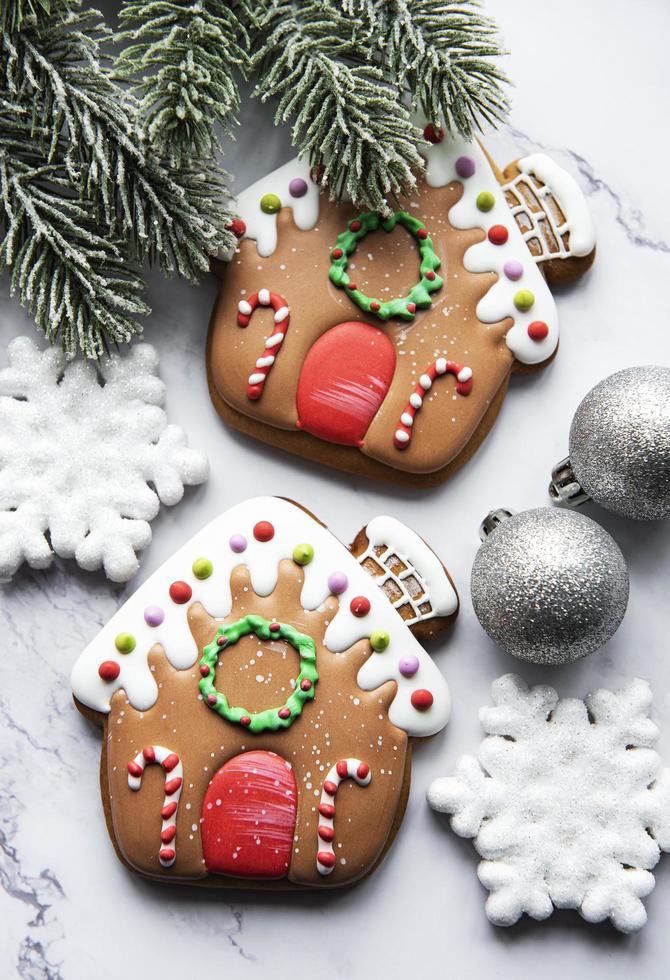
x,y
238,543
297,187
337,583
513,270
153,615
465,167
408,666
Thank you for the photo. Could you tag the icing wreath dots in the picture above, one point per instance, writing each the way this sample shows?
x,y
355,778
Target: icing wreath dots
x,y
403,434
344,769
271,719
418,297
282,317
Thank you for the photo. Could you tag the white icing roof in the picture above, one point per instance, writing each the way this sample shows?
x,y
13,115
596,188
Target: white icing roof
x,y
292,526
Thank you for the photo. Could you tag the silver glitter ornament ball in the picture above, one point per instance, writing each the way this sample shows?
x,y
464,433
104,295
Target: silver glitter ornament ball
x,y
620,443
549,586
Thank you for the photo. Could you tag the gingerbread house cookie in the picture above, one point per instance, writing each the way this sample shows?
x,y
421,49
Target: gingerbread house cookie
x,y
259,696
384,346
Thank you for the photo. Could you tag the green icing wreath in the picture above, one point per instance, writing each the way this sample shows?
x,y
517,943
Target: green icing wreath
x,y
418,296
272,719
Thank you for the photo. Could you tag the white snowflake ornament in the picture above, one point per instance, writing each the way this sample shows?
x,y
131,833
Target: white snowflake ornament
x,y
568,804
79,445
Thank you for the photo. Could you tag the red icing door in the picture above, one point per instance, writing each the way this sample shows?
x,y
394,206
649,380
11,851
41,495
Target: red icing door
x,y
344,380
248,817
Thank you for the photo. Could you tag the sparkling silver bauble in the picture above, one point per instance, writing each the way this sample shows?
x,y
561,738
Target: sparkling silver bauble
x,y
620,446
550,586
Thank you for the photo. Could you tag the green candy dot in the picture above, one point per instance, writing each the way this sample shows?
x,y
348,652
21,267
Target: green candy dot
x,y
485,201
303,554
270,203
379,640
523,300
125,642
202,568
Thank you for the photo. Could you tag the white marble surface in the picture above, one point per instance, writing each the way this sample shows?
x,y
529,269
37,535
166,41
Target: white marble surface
x,y
592,86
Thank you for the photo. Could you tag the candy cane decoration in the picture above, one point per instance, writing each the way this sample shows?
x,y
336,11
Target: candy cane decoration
x,y
344,769
282,318
403,433
174,777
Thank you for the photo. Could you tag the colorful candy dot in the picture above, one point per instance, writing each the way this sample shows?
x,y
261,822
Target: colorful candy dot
x,y
238,543
180,592
465,167
305,685
421,699
303,554
379,640
433,134
153,615
422,233
360,606
430,275
523,300
498,234
355,225
245,720
212,699
337,253
374,305
274,627
202,568
337,583
297,187
411,307
125,642
408,666
538,330
264,531
284,712
270,203
238,227
109,670
485,200
204,670
513,270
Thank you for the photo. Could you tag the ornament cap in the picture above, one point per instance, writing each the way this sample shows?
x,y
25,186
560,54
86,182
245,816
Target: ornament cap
x,y
494,519
565,488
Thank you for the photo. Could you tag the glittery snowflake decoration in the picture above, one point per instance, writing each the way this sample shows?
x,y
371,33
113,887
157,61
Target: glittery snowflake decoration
x,y
569,804
79,445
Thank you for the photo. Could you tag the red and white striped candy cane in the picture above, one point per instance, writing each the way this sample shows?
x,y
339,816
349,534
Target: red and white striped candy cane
x,y
403,433
344,769
282,318
174,777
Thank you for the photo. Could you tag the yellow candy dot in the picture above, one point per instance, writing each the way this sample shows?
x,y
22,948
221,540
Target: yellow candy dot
x,y
125,642
485,201
202,568
523,300
379,640
303,554
270,203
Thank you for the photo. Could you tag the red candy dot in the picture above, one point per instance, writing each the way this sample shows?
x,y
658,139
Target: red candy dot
x,y
330,788
327,810
498,234
221,641
342,769
538,330
264,531
359,605
337,253
326,859
134,769
238,227
109,670
274,627
245,720
172,785
211,699
169,811
180,592
166,854
363,770
326,833
305,685
170,762
433,133
374,305
411,307
422,233
421,699
148,753
430,275
355,226
168,834
352,286
284,712
204,670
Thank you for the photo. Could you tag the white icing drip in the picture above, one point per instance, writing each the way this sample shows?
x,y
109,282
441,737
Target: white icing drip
x,y
571,200
498,303
292,526
262,227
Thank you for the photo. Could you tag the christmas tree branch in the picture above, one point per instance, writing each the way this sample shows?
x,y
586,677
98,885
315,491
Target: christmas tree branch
x,y
314,58
183,59
81,287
